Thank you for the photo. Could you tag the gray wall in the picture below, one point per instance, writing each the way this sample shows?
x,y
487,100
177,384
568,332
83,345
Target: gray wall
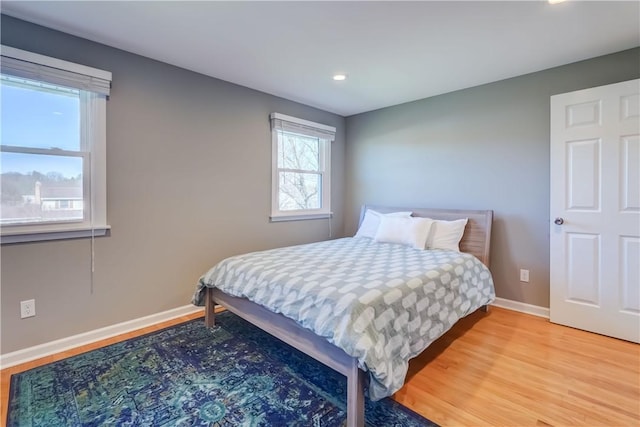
x,y
485,147
189,172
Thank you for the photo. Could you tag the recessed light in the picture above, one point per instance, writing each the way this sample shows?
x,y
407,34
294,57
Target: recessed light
x,y
339,77
555,1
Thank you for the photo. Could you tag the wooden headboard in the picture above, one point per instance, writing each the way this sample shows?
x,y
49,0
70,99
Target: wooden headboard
x,y
477,234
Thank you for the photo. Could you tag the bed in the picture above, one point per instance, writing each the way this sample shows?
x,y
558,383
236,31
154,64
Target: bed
x,y
356,304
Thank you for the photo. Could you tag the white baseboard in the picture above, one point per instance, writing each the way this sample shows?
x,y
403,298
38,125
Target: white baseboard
x,y
57,346
522,307
31,353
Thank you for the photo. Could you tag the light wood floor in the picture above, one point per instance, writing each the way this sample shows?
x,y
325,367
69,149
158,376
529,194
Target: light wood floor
x,y
501,368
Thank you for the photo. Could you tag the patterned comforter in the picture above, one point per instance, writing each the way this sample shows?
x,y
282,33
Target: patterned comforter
x,y
382,303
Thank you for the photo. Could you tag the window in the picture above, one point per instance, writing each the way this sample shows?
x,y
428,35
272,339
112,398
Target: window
x,y
52,148
301,171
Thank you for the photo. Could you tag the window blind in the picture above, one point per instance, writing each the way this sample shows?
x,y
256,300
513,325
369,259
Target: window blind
x,y
284,123
33,66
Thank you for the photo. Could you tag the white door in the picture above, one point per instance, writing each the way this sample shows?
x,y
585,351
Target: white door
x,y
595,210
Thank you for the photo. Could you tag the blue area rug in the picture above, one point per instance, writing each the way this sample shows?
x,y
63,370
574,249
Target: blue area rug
x,y
188,375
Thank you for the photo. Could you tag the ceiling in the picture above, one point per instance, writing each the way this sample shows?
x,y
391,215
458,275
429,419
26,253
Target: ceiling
x,y
393,52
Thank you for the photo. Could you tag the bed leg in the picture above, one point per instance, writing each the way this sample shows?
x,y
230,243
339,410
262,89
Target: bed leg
x,y
485,308
355,396
209,309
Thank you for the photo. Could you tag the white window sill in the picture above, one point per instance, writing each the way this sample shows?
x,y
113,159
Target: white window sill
x,y
300,217
41,236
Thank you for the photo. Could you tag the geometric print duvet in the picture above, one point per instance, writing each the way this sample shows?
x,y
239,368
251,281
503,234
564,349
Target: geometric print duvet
x,y
382,303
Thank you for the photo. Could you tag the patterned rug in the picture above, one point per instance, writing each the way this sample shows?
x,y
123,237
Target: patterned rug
x,y
188,375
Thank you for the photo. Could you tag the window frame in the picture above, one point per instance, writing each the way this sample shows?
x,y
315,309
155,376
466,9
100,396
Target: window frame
x,y
326,135
94,86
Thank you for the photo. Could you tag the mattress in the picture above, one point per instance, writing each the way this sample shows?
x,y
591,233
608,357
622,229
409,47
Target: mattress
x,y
382,303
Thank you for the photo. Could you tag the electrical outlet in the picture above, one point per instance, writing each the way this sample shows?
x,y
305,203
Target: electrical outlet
x,y
27,308
524,275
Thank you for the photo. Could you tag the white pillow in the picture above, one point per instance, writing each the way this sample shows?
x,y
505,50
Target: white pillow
x,y
371,222
405,231
446,234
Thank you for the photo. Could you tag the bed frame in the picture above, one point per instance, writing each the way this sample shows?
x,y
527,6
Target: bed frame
x,y
476,241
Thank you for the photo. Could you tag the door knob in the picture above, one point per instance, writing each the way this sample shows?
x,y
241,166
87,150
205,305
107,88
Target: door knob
x,y
559,221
